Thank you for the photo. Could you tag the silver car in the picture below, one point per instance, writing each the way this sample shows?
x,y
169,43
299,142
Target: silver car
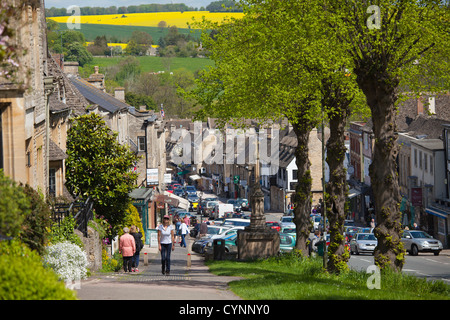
x,y
416,241
363,243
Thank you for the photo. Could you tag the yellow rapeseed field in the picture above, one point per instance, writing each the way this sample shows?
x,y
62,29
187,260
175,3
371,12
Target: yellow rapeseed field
x,y
178,19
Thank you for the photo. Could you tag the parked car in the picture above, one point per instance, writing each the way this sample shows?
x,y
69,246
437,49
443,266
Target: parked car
x,y
236,205
363,243
287,221
199,244
287,242
367,230
243,203
351,231
230,243
193,202
416,241
274,225
234,222
227,232
178,191
190,190
289,230
170,189
349,223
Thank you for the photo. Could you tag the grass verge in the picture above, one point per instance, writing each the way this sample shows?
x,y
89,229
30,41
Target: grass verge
x,y
290,277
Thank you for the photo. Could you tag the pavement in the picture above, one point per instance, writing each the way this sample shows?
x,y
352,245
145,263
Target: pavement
x,y
186,281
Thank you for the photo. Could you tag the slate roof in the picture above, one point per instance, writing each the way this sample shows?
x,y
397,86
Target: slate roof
x,y
74,99
102,99
55,152
429,126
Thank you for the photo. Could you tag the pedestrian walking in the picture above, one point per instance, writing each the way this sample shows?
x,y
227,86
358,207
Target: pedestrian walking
x,y
372,223
134,231
187,220
166,243
184,231
177,223
127,247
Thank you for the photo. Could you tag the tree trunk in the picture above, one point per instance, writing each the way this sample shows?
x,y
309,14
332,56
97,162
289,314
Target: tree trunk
x,y
302,196
336,190
381,93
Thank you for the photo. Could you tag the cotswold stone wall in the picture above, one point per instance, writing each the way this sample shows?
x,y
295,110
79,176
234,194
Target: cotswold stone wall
x,y
92,247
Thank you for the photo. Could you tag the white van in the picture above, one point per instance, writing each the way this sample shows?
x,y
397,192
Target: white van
x,y
222,209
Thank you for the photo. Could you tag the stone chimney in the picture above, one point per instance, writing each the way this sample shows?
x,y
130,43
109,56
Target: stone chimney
x,y
97,79
71,68
142,108
119,93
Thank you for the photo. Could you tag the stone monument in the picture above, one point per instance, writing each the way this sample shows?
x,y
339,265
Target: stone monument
x,y
257,240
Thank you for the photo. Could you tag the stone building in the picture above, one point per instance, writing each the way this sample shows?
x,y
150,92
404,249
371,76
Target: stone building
x,y
24,125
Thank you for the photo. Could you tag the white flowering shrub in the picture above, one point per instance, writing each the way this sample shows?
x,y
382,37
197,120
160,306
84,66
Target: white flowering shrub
x,y
67,260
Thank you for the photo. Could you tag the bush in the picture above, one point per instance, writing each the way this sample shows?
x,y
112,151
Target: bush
x,y
23,277
14,207
67,260
113,264
37,224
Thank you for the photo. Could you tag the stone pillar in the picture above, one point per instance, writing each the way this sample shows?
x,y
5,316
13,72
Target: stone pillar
x,y
257,240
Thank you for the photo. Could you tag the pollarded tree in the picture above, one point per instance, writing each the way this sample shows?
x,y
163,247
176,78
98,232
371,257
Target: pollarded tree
x,y
99,167
271,64
394,45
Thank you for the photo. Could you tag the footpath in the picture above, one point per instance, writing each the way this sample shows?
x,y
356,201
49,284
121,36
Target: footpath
x,y
185,282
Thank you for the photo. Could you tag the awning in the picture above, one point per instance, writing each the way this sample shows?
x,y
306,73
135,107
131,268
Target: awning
x,y
353,193
182,203
437,212
195,177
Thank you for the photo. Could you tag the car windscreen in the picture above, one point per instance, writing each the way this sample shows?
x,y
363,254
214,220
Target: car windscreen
x,y
420,234
286,219
366,237
213,230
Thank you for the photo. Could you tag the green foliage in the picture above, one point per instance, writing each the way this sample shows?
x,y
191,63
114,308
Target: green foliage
x,y
129,68
137,100
37,224
133,218
99,167
111,264
14,207
64,231
23,277
77,52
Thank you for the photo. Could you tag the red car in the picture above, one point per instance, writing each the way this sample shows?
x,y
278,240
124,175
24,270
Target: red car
x,y
274,225
170,189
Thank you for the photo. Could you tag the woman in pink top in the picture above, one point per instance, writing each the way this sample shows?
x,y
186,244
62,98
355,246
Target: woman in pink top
x,y
127,247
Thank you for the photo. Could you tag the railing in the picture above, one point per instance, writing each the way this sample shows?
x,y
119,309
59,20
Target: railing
x,y
81,211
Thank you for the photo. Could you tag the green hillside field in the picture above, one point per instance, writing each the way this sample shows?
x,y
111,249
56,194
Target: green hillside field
x,y
155,64
123,33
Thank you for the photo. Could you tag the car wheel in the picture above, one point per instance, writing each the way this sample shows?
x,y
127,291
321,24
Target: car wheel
x,y
414,250
436,253
356,251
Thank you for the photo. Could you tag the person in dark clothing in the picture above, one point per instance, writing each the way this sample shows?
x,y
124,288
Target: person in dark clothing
x,y
203,229
134,231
